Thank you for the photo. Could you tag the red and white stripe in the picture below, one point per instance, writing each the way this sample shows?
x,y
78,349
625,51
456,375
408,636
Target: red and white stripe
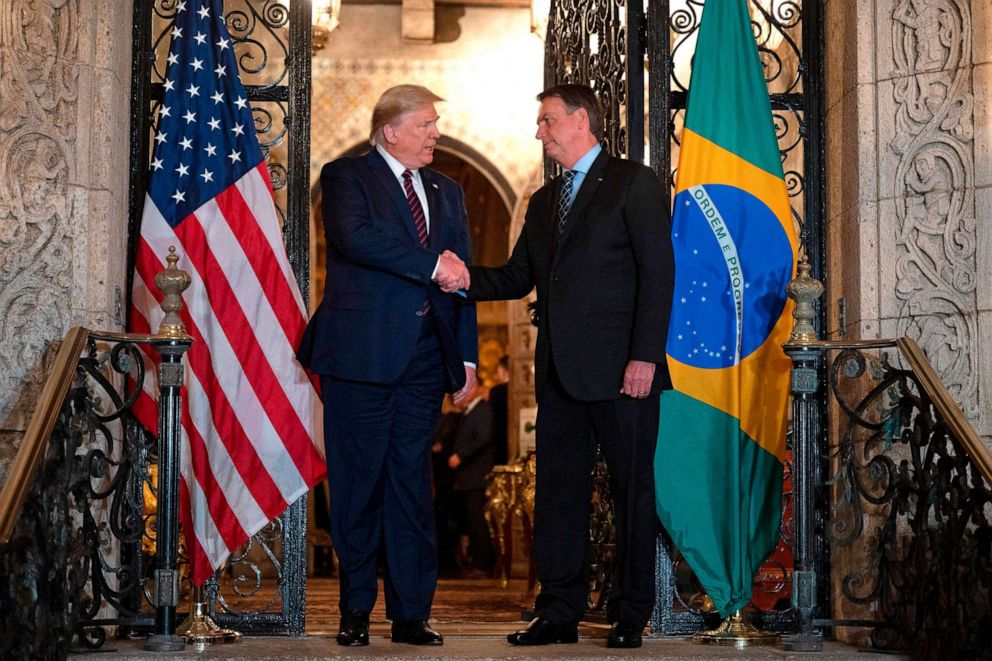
x,y
252,431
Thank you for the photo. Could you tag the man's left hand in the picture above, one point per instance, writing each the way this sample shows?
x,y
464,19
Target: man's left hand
x,y
460,396
637,379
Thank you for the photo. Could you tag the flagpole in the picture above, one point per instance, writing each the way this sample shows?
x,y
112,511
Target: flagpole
x,y
171,342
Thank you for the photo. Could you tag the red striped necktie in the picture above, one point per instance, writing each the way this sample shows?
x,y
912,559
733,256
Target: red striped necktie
x,y
419,220
415,207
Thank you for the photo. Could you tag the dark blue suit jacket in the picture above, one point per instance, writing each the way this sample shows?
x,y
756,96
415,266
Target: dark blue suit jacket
x,y
378,275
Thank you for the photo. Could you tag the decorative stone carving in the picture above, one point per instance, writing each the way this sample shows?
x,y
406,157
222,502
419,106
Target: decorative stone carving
x,y
935,279
38,97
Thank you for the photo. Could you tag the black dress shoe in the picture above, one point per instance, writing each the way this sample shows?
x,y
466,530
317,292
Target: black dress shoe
x,y
415,632
354,629
540,631
624,634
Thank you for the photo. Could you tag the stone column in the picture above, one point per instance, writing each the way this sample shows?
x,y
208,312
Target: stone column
x,y
909,189
64,90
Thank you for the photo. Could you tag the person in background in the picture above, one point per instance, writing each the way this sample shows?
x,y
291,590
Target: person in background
x,y
499,401
471,459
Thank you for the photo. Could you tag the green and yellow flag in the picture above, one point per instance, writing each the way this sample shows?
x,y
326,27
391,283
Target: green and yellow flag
x,y
721,443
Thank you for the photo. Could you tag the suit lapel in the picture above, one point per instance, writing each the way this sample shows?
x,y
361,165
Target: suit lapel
x,y
434,208
590,184
393,188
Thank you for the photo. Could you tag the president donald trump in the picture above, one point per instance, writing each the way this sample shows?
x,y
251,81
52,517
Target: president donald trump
x,y
387,344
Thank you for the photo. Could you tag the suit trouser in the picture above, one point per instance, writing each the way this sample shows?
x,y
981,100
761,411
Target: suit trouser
x,y
474,524
378,440
568,430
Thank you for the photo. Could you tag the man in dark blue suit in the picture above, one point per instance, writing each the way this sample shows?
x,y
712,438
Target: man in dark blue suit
x,y
387,344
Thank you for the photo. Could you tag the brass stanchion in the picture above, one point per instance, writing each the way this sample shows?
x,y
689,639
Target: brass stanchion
x,y
199,629
737,632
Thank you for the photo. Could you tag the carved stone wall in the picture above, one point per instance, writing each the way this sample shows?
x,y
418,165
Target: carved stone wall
x,y
64,87
909,139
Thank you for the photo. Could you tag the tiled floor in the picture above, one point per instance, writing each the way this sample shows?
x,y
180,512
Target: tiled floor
x,y
474,617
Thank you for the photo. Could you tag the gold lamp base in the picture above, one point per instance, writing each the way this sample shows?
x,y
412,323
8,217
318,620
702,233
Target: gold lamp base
x,y
200,630
737,632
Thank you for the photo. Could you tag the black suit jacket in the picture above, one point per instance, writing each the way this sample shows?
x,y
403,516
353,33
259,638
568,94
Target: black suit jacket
x,y
474,447
604,294
378,275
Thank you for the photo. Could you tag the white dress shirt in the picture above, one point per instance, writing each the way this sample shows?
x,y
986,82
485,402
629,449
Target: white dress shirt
x,y
418,183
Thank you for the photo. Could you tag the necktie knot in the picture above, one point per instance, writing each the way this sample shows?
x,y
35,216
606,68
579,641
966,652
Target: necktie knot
x,y
407,175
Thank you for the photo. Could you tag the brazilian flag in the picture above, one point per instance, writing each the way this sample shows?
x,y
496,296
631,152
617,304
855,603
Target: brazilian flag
x,y
721,443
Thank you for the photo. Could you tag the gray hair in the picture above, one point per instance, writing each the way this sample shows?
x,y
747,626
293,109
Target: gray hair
x,y
395,102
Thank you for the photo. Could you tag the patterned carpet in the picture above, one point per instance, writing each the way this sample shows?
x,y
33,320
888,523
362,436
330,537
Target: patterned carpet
x,y
461,602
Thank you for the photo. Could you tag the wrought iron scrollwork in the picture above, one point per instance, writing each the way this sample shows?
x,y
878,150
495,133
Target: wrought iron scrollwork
x,y
915,511
71,565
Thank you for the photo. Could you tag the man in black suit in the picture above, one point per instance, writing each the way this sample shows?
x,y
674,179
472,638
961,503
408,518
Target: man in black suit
x,y
387,344
499,402
596,245
471,460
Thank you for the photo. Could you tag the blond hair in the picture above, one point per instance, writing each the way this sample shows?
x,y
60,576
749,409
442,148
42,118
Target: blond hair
x,y
395,102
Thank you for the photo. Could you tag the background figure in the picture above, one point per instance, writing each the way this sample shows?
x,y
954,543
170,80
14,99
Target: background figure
x,y
499,401
387,344
472,459
596,245
445,504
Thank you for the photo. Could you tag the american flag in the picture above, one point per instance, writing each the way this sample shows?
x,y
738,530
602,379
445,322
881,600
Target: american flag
x,y
251,442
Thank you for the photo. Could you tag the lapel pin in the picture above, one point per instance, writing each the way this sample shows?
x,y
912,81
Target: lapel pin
x,y
434,186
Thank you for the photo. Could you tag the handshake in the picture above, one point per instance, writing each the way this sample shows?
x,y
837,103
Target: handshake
x,y
451,274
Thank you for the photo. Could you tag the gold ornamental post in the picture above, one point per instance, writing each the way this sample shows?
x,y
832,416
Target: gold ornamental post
x,y
737,632
199,629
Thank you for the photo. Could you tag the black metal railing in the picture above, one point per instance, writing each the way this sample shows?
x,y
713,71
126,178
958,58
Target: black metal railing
x,y
79,546
909,485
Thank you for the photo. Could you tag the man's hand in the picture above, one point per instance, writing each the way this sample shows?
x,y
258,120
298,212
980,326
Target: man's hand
x,y
452,274
460,396
454,461
637,379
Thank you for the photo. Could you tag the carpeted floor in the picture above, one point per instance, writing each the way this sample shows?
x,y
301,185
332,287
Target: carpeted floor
x,y
456,602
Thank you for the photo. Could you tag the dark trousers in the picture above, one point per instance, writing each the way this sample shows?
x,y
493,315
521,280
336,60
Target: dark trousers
x,y
473,506
378,440
567,432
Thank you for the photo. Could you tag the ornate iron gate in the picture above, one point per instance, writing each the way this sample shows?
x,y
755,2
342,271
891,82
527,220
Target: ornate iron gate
x,y
616,46
262,587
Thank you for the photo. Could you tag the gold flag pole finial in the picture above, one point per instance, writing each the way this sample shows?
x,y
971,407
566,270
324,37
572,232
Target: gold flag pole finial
x,y
172,281
736,631
804,290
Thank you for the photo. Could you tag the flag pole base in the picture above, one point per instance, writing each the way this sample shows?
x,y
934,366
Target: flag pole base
x,y
737,632
200,630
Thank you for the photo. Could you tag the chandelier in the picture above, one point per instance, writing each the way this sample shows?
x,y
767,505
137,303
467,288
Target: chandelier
x,y
325,19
